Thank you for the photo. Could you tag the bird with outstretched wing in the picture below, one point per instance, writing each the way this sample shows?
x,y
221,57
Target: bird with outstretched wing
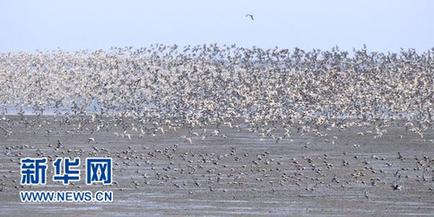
x,y
251,16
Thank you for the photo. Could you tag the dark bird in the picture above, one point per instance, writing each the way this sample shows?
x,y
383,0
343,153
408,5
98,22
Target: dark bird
x,y
251,16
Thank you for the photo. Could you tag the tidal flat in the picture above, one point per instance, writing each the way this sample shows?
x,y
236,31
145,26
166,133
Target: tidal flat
x,y
234,172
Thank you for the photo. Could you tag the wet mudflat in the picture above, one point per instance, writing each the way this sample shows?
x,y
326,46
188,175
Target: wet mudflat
x,y
230,173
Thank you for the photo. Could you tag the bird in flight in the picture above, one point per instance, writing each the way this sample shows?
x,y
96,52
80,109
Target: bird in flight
x,y
251,16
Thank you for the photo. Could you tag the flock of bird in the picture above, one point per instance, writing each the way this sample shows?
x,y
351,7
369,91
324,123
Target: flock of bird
x,y
224,85
207,92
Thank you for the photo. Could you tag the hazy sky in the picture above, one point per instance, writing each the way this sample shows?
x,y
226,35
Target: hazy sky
x,y
85,24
